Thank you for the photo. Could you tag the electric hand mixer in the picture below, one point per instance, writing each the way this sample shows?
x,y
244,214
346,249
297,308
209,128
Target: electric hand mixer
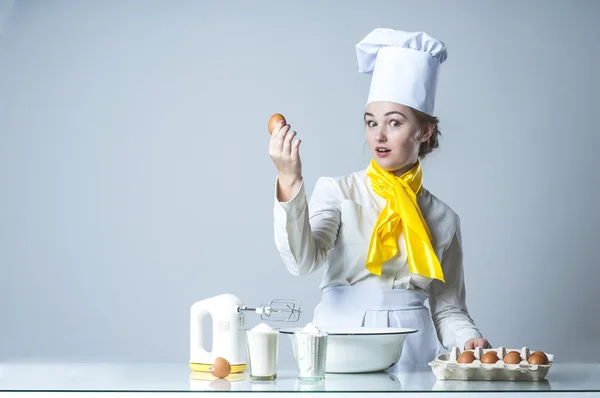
x,y
228,315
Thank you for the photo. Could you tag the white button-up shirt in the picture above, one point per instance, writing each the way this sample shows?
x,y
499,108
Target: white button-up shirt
x,y
333,230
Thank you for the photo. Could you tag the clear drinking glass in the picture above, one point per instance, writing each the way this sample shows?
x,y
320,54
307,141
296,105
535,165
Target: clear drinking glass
x,y
262,350
311,356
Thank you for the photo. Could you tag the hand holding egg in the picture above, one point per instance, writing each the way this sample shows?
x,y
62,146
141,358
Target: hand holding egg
x,y
284,151
274,120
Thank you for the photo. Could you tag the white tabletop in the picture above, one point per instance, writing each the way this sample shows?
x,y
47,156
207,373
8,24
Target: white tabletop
x,y
165,377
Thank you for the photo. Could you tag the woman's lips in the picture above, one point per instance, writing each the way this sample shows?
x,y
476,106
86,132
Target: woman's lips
x,y
382,152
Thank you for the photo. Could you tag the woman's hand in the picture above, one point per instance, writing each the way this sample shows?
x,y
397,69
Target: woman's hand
x,y
474,343
285,154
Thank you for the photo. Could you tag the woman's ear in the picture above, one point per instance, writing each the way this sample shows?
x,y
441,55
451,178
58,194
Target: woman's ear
x,y
428,131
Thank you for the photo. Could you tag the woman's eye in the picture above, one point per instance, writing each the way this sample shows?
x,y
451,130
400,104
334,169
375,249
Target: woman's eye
x,y
371,124
395,123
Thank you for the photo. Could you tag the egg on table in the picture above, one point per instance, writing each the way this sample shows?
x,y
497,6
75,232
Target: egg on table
x,y
274,120
221,368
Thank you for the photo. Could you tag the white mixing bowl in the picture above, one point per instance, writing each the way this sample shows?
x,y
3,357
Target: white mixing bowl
x,y
361,350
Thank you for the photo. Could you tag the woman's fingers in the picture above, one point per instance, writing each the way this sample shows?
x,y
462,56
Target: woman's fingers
x,y
280,138
287,143
296,149
284,151
276,135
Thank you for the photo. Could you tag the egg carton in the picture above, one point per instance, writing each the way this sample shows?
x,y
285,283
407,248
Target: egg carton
x,y
446,366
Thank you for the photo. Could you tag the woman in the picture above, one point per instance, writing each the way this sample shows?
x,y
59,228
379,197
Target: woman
x,y
385,242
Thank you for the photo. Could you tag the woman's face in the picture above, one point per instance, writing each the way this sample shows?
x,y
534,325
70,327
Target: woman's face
x,y
392,134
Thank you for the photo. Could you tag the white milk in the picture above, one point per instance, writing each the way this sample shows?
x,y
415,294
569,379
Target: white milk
x,y
263,345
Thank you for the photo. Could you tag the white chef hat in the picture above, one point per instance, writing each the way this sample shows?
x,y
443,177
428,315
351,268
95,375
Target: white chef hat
x,y
404,67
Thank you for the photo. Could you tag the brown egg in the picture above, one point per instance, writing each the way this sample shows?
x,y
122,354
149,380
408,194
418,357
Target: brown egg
x,y
542,354
538,359
274,120
221,368
466,357
489,357
512,358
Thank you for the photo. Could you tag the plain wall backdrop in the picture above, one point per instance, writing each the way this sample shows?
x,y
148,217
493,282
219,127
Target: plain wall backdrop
x,y
135,177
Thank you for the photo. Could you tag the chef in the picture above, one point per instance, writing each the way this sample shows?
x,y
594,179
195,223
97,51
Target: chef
x,y
384,242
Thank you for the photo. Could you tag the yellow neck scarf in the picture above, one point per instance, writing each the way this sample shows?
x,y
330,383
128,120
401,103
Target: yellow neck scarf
x,y
401,208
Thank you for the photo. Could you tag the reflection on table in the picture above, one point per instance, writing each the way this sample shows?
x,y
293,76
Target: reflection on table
x,y
398,378
477,385
176,377
382,381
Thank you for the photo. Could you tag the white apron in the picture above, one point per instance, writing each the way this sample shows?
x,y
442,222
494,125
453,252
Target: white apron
x,y
370,306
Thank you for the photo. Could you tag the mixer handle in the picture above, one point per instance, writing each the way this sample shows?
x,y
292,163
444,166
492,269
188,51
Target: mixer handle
x,y
197,334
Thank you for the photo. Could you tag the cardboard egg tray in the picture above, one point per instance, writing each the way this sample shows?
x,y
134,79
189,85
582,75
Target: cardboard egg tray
x,y
446,366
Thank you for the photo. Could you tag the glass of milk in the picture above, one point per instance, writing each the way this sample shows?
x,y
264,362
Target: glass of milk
x,y
262,344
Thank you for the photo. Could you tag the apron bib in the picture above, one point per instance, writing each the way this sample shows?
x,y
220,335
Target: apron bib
x,y
370,306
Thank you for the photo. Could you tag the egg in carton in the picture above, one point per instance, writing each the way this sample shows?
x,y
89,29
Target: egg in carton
x,y
492,364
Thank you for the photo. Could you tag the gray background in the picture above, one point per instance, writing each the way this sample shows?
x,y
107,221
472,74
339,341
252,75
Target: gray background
x,y
136,180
